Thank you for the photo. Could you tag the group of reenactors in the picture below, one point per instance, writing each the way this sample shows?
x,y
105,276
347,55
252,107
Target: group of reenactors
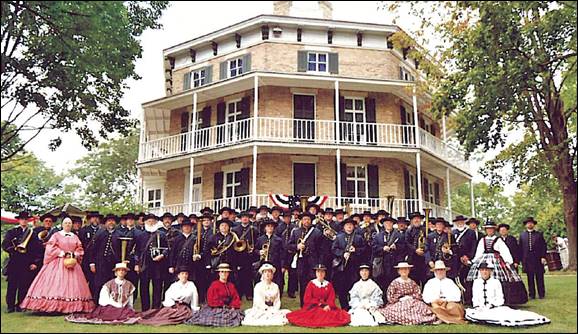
x,y
293,240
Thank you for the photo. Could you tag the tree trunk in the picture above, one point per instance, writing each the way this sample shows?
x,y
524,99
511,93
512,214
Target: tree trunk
x,y
565,175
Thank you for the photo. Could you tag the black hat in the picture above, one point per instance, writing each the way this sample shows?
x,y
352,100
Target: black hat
x,y
207,209
528,220
367,213
339,212
268,221
263,207
489,224
401,220
460,217
276,208
382,212
355,215
48,215
187,221
150,216
207,215
348,220
129,215
76,219
23,215
90,214
320,266
307,214
181,269
486,265
225,208
252,208
296,208
313,205
168,215
111,216
328,210
140,215
388,219
180,214
473,221
193,216
441,220
416,214
504,225
246,214
226,221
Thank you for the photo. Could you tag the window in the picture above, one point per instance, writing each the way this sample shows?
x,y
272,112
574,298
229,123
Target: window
x,y
235,67
304,179
233,111
231,184
356,181
199,78
412,186
355,116
154,198
431,192
316,62
408,116
405,75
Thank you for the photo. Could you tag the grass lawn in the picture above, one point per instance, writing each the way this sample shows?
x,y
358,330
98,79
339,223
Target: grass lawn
x,y
559,306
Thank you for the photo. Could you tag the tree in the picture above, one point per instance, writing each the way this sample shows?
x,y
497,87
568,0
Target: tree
x,y
489,202
510,66
65,65
107,176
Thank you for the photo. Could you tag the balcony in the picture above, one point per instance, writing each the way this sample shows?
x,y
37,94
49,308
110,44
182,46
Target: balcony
x,y
289,130
401,207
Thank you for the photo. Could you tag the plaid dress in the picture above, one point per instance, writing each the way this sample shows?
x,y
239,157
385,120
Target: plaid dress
x,y
503,272
223,307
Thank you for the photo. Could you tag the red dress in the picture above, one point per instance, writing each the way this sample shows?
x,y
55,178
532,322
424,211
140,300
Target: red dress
x,y
56,288
318,295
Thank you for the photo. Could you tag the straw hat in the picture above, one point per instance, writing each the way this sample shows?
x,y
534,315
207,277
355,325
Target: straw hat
x,y
403,265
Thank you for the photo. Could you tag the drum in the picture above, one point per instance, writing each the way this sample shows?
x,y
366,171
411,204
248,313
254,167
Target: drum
x,y
554,262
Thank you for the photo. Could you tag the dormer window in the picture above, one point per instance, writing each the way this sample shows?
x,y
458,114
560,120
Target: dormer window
x,y
316,62
235,67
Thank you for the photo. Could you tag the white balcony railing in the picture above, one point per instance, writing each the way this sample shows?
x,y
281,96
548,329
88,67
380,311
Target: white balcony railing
x,y
443,150
238,202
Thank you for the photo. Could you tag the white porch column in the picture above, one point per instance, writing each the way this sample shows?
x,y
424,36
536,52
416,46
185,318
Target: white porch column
x,y
418,176
415,119
194,125
473,213
338,161
336,102
139,186
191,177
254,179
444,128
448,192
255,107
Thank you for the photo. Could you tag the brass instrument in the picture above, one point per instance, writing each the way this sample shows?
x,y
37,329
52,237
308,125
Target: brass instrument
x,y
21,247
422,235
328,231
43,236
221,248
123,247
158,250
348,249
241,244
197,247
348,209
265,256
303,201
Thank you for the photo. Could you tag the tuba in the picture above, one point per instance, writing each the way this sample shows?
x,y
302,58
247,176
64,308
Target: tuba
x,y
123,247
220,249
22,246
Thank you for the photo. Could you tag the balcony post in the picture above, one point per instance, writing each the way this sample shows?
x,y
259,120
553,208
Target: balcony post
x,y
473,213
338,162
139,189
255,107
448,191
254,178
444,128
191,177
418,176
194,125
415,119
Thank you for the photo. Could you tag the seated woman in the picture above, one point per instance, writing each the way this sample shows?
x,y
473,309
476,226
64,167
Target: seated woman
x,y
444,296
60,286
319,309
115,302
223,303
266,301
405,306
488,302
365,298
181,300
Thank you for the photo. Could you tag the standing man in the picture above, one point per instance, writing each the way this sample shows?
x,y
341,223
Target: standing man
x,y
87,235
402,223
105,253
415,243
533,249
25,256
388,245
43,232
134,234
473,223
171,233
284,231
435,248
181,253
245,259
304,244
271,249
466,244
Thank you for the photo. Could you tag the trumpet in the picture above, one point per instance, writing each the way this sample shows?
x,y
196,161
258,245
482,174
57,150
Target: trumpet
x,y
22,247
43,236
265,255
328,231
422,235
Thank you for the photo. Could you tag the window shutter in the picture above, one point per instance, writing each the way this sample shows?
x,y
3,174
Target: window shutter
x,y
343,168
246,63
373,181
370,110
406,183
342,108
402,114
184,122
244,187
209,74
433,129
425,187
223,70
221,112
301,61
187,81
437,193
245,107
218,185
206,116
421,122
400,73
333,63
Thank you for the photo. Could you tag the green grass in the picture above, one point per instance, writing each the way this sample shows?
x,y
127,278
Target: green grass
x,y
559,306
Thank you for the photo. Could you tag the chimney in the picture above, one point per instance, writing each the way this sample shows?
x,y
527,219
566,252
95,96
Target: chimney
x,y
311,9
281,7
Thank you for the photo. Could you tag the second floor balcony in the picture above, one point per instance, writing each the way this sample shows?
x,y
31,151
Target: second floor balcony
x,y
284,131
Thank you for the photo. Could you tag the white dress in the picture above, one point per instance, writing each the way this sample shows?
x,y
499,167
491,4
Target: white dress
x,y
488,301
444,289
182,293
365,298
262,314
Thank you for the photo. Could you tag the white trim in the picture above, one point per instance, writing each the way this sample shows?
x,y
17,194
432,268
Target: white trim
x,y
357,179
236,183
306,159
232,167
236,68
154,188
318,62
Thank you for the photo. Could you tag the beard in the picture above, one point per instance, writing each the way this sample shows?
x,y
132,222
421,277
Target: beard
x,y
151,228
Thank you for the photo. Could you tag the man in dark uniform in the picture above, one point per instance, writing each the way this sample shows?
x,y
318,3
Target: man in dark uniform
x,y
511,242
221,248
326,243
415,243
245,259
402,223
171,232
182,250
202,261
105,253
466,244
86,236
43,232
388,245
339,218
274,252
283,231
134,234
347,251
304,244
153,260
23,263
140,221
369,228
473,223
435,248
533,250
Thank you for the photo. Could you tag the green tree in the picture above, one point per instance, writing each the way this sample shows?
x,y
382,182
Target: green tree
x,y
489,202
510,66
65,64
107,176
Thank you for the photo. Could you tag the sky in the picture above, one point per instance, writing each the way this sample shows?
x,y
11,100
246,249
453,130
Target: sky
x,y
183,21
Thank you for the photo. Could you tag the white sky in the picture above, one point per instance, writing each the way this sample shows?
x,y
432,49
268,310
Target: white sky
x,y
183,21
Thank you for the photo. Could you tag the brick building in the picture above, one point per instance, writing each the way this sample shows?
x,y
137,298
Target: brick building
x,y
295,105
